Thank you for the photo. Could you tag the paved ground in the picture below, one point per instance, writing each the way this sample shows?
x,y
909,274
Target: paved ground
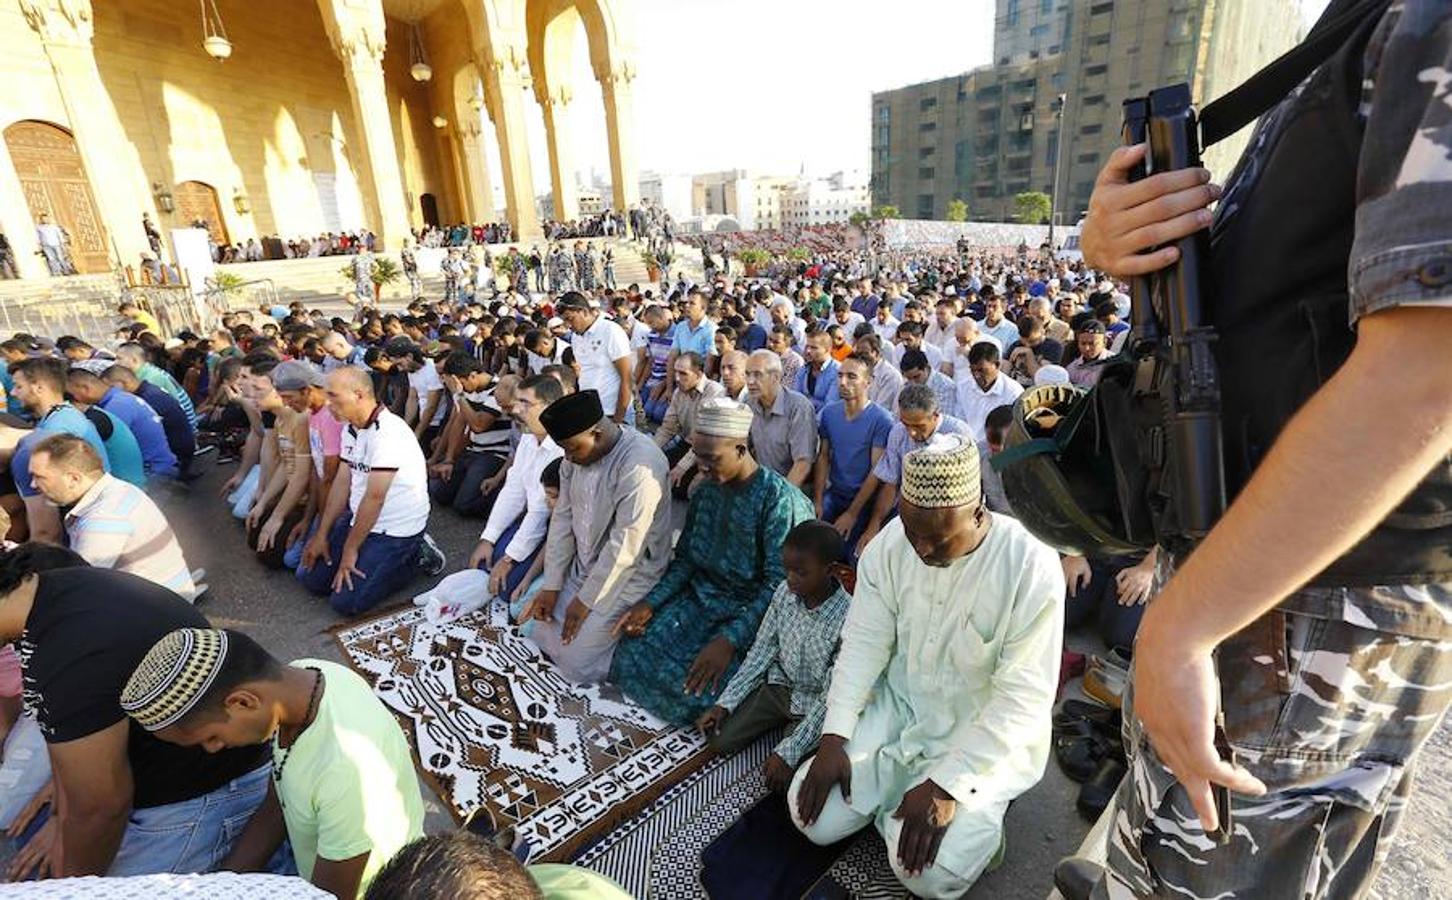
x,y
1042,826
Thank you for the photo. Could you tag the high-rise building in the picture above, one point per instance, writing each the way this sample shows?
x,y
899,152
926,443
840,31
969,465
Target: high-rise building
x,y
987,135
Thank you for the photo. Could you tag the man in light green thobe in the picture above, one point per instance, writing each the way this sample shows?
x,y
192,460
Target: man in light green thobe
x,y
939,707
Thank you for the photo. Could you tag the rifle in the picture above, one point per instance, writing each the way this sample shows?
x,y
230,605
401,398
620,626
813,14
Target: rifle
x,y
1172,342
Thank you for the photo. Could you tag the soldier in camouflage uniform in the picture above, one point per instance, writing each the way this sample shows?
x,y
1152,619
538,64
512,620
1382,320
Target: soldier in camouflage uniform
x,y
562,270
409,259
584,267
363,276
1328,692
453,268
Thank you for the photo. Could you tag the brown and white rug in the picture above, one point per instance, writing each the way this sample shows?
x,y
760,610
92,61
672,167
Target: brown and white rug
x,y
493,723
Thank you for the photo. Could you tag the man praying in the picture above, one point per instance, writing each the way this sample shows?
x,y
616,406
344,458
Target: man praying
x,y
609,536
939,707
685,638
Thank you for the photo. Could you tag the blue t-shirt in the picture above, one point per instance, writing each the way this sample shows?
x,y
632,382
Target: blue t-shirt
x,y
122,450
702,340
754,338
180,435
62,419
852,443
146,427
12,406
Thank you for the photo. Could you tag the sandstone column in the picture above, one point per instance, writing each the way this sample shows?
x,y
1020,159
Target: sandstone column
x,y
505,81
355,29
474,169
620,127
113,167
555,107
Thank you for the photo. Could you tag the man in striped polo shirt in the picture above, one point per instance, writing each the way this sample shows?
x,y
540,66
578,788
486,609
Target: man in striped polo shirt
x,y
113,524
476,439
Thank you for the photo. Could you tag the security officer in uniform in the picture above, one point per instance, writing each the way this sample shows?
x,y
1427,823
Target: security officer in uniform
x,y
1317,614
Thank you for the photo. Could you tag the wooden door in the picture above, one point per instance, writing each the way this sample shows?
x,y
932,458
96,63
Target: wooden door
x,y
54,182
196,201
429,207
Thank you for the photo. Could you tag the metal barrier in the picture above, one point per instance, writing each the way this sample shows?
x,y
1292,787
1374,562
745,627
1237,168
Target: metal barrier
x,y
93,317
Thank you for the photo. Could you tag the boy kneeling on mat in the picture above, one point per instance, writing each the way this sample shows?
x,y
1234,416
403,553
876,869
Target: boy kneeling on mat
x,y
784,678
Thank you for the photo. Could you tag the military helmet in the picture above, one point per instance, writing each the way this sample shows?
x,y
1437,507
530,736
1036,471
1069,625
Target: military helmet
x,y
1059,477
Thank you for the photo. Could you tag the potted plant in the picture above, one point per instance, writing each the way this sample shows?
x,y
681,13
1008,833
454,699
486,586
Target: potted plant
x,y
511,265
753,258
799,254
385,271
652,265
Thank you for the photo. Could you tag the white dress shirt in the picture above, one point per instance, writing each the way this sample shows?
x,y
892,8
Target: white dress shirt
x,y
522,493
974,403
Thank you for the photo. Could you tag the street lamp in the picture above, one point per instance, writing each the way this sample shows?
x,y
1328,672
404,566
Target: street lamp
x,y
1059,103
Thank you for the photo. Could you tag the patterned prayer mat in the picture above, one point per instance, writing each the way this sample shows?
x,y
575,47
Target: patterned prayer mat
x,y
657,854
861,873
493,723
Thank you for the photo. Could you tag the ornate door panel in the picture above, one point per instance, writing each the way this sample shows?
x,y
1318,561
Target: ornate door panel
x,y
196,201
54,182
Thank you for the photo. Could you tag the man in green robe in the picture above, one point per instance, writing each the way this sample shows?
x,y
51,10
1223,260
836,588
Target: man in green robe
x,y
687,636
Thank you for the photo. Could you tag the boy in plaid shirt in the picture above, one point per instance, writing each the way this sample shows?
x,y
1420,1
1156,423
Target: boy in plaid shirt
x,y
784,678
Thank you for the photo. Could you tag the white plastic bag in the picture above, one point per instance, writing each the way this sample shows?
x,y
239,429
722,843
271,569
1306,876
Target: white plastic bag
x,y
457,595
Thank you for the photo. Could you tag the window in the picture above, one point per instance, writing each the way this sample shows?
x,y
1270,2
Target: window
x,y
1178,28
1010,15
1098,8
1178,61
927,103
1038,31
1091,129
927,126
925,206
926,173
925,152
1046,6
1094,100
1091,158
1091,71
962,158
1099,40
884,113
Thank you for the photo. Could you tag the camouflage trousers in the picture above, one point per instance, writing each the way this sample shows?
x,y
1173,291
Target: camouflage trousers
x,y
1330,715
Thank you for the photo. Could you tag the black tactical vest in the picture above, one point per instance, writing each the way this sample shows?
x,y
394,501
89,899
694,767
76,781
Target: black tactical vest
x,y
1279,269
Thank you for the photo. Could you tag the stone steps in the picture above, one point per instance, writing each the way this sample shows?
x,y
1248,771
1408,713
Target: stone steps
x,y
85,305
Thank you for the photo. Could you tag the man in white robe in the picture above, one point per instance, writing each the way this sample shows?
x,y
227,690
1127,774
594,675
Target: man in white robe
x,y
939,708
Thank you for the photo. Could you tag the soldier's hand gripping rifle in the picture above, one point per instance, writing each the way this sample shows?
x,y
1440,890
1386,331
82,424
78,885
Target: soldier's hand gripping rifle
x,y
1173,343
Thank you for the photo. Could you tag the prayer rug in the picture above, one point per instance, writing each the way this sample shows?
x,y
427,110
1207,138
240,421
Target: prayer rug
x,y
493,723
863,872
658,852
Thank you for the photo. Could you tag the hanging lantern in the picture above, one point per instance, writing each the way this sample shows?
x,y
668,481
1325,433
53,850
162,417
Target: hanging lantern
x,y
440,122
420,68
214,36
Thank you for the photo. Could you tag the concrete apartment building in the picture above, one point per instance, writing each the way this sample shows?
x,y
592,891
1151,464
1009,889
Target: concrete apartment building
x,y
989,134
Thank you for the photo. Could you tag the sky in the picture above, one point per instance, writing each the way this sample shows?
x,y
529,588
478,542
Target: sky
x,y
770,85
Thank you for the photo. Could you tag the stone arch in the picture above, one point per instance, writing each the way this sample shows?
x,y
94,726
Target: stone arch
x,y
54,181
551,26
472,145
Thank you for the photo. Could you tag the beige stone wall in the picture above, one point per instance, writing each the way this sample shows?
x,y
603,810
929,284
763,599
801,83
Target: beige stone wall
x,y
274,122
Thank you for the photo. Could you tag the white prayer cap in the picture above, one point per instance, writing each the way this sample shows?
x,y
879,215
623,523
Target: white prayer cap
x,y
1051,374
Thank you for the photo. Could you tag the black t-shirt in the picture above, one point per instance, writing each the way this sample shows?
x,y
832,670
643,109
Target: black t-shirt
x,y
86,633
